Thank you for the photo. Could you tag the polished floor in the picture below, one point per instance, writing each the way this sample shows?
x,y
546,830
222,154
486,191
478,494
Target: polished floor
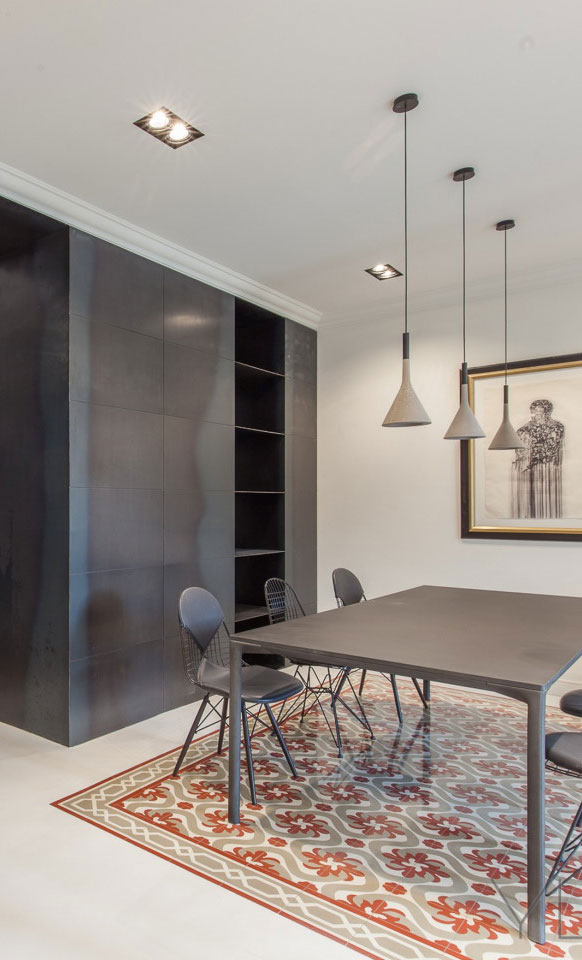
x,y
399,850
70,892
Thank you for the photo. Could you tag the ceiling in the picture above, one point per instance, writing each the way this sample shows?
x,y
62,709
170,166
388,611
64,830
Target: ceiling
x,y
297,183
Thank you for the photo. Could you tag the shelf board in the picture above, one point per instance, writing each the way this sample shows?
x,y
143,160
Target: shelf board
x,y
251,366
244,611
255,553
275,433
260,491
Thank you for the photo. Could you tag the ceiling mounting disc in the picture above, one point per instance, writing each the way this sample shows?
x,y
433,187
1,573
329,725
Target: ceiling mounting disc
x,y
404,103
505,225
465,173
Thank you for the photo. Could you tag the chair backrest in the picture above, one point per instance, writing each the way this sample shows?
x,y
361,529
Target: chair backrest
x,y
282,601
205,636
347,587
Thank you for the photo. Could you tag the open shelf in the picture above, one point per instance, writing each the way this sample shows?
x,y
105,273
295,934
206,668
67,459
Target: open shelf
x,y
259,399
251,571
272,433
253,366
244,612
254,552
259,337
259,461
259,520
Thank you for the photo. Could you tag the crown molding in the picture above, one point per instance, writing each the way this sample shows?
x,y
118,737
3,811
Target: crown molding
x,y
563,272
38,195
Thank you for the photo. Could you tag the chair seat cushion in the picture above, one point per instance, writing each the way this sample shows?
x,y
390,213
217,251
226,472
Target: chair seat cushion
x,y
258,684
565,750
572,703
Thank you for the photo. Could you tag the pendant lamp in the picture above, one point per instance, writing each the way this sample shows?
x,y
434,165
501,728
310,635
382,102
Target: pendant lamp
x,y
464,425
406,410
506,438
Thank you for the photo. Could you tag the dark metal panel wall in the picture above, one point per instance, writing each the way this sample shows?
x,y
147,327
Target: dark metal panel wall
x,y
116,495
301,461
198,458
34,440
152,477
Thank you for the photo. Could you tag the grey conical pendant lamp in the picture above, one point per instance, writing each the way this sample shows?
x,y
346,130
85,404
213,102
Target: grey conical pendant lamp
x,y
465,425
406,410
506,437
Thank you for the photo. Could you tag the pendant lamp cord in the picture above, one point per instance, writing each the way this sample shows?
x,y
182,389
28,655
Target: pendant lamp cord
x,y
405,229
464,318
505,305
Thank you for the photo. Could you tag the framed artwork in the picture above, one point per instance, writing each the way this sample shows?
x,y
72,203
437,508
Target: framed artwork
x,y
534,493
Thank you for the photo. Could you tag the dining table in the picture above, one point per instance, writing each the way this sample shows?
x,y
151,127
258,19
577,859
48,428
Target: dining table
x,y
513,644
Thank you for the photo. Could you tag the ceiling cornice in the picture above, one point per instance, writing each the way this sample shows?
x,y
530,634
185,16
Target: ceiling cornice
x,y
563,272
27,190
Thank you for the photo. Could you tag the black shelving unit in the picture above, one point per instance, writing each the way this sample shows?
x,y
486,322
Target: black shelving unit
x,y
259,463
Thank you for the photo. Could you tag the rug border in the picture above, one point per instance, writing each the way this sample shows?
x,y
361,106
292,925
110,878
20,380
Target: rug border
x,y
449,951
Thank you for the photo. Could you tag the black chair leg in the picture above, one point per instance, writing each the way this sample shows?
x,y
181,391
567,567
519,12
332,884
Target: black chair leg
x,y
362,682
307,688
191,733
420,693
222,726
363,719
567,850
281,716
396,697
249,754
281,740
334,698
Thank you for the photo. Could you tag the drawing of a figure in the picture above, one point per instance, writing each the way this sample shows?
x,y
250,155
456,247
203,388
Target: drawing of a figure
x,y
537,469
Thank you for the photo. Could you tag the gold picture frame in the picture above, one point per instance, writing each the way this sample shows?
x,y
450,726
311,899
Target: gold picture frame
x,y
493,502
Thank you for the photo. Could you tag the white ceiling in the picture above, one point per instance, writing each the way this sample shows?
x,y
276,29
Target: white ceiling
x,y
297,183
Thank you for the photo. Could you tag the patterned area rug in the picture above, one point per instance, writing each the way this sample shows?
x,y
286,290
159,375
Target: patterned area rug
x,y
400,850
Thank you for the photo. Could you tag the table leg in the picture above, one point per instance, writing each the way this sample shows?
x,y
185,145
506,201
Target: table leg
x,y
234,734
536,926
426,690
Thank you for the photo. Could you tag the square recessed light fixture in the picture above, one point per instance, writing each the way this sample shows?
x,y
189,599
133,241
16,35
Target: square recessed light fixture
x,y
383,271
167,126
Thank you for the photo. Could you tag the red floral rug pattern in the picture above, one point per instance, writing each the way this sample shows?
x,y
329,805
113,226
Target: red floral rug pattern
x,y
398,850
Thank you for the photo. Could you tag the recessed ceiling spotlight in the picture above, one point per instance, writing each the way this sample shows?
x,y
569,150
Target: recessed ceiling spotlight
x,y
383,271
165,125
158,120
178,132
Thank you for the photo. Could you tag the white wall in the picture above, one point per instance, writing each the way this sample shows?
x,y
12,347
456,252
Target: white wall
x,y
389,499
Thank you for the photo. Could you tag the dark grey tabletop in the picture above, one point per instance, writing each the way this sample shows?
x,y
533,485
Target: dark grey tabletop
x,y
448,633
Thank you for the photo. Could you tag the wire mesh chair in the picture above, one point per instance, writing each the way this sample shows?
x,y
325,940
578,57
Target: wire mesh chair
x,y
283,604
563,756
348,590
206,654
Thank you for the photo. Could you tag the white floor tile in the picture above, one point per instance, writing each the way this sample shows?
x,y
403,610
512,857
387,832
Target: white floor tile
x,y
71,892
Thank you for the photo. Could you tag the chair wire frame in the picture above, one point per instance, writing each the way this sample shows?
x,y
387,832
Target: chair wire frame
x,y
348,591
217,654
283,604
282,601
573,839
572,842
